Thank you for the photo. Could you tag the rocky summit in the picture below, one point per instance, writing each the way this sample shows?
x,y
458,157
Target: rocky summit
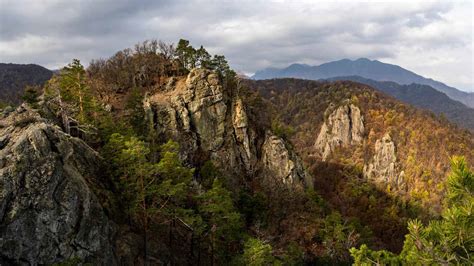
x,y
211,121
49,208
49,211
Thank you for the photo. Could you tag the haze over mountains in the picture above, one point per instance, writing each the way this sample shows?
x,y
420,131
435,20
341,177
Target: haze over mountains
x,y
371,69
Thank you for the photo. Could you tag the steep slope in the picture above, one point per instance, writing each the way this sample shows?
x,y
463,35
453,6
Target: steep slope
x,y
370,69
54,188
48,209
420,138
422,96
211,121
14,78
403,153
372,161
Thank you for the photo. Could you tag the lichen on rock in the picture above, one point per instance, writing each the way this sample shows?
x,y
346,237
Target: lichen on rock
x,y
48,212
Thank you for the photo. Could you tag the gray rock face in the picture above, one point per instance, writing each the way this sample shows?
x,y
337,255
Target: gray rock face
x,y
48,213
281,162
241,127
343,127
208,119
383,166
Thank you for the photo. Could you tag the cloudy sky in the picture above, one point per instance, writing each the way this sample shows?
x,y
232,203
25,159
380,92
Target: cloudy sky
x,y
432,38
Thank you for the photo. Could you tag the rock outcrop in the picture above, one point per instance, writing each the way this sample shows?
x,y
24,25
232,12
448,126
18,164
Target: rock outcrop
x,y
48,211
210,122
383,167
343,127
281,162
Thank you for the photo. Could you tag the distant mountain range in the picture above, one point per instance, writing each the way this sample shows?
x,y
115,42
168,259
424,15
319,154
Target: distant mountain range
x,y
15,77
422,96
363,67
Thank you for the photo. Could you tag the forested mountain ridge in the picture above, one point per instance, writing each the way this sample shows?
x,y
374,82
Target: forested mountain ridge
x,y
201,191
422,96
347,132
15,77
370,69
160,154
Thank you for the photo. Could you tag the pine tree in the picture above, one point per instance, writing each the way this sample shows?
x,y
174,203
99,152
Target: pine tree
x,y
154,191
257,253
74,89
223,221
31,95
441,242
186,54
203,58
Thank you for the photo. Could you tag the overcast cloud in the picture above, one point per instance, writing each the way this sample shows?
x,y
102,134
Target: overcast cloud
x,y
431,38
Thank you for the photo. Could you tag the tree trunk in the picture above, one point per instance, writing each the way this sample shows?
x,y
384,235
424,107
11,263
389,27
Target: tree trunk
x,y
145,218
212,249
145,246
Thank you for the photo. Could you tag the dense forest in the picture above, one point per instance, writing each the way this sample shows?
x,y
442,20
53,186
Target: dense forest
x,y
423,96
175,207
16,78
424,144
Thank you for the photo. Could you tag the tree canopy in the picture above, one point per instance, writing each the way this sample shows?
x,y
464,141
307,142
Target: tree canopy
x,y
441,242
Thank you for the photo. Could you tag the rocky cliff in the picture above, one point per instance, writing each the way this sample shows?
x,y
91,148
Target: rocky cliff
x,y
48,210
383,167
211,123
343,127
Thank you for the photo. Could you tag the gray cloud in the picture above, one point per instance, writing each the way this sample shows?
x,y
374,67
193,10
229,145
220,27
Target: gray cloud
x,y
431,38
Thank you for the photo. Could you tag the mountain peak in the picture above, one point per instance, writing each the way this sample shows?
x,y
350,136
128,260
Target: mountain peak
x,y
298,65
367,68
363,59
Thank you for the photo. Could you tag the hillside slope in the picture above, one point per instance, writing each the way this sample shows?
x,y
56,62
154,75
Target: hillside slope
x,y
56,186
353,137
370,69
14,78
183,165
422,96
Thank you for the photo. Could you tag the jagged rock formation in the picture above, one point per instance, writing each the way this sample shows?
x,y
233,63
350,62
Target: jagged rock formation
x,y
281,162
210,122
343,127
48,211
383,167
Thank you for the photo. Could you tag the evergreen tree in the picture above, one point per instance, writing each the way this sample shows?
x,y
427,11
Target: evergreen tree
x,y
186,54
203,58
136,112
224,223
153,191
74,89
31,95
441,242
257,253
